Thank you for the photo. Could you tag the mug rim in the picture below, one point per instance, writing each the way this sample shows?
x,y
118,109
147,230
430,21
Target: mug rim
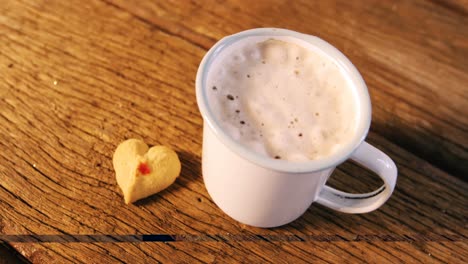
x,y
364,109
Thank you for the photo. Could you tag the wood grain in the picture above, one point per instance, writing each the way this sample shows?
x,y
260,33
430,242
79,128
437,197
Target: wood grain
x,y
80,77
411,54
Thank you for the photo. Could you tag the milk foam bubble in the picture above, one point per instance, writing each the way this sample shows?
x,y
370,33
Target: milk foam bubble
x,y
282,97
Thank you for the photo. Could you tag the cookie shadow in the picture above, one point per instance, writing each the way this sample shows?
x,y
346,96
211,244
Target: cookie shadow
x,y
191,165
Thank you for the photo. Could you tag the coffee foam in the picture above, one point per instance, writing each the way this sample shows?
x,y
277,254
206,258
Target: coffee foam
x,y
282,97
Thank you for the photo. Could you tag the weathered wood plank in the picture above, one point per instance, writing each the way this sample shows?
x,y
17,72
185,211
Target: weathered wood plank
x,y
413,56
78,78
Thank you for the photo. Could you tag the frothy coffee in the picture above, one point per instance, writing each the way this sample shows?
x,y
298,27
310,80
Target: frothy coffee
x,y
282,97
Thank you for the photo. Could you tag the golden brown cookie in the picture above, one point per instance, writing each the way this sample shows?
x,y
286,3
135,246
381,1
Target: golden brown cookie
x,y
141,172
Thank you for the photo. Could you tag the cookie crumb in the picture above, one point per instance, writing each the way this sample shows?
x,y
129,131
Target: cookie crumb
x,y
242,122
215,88
277,157
230,97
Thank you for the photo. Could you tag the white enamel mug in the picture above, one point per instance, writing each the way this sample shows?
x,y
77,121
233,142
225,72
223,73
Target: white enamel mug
x,y
261,191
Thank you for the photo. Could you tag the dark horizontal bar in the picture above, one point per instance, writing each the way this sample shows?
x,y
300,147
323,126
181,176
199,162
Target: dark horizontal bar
x,y
64,238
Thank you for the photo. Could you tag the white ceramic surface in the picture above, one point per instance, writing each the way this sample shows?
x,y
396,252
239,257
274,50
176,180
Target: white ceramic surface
x,y
265,192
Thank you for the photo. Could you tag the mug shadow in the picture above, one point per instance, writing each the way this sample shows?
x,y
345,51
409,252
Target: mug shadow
x,y
443,152
191,165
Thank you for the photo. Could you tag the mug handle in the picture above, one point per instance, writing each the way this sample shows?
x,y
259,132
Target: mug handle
x,y
376,161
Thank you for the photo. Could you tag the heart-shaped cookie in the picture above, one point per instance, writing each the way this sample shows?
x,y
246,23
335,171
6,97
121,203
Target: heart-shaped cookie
x,y
141,172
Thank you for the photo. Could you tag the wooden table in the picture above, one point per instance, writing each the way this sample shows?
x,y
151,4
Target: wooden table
x,y
78,77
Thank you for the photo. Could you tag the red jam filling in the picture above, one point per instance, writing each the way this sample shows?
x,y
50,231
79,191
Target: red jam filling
x,y
144,169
